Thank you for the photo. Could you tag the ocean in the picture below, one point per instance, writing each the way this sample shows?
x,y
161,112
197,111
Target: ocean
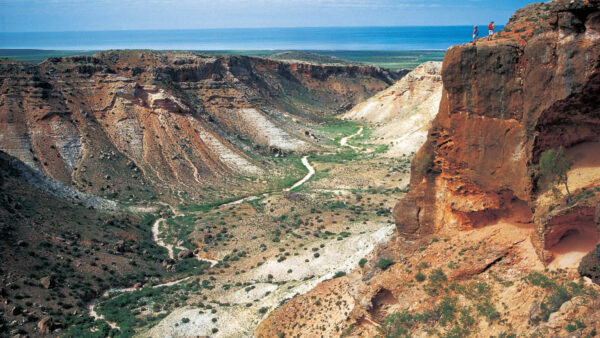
x,y
330,38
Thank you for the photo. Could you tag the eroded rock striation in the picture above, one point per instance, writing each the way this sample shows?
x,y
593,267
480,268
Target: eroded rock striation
x,y
141,122
402,113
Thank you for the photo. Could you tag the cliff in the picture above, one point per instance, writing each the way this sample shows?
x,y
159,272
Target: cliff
x,y
534,87
135,124
402,113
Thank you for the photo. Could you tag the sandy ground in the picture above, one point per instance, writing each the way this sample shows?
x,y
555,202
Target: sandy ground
x,y
570,250
240,320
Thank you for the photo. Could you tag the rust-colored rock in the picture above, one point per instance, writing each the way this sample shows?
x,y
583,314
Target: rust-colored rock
x,y
533,88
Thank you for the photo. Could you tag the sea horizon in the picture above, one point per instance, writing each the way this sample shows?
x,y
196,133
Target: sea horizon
x,y
375,38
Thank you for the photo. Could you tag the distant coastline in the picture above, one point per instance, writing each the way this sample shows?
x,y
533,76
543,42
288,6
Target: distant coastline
x,y
393,60
323,39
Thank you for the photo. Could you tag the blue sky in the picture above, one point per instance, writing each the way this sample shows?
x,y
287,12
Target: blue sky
x,y
77,15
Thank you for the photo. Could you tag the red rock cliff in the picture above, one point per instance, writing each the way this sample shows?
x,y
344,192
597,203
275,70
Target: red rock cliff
x,y
536,86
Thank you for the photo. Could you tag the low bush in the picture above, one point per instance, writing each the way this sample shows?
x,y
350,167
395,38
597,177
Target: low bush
x,y
385,263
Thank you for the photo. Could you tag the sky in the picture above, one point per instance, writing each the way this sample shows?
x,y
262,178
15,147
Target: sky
x,y
94,15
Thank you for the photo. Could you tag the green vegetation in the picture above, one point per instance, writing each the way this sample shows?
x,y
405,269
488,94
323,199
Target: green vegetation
x,y
339,274
394,60
86,326
585,194
384,263
124,309
553,168
338,129
457,319
300,56
436,283
559,293
339,157
38,55
575,325
362,262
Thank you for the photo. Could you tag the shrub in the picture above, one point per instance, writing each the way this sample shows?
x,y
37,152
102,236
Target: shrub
x,y
339,274
385,263
362,262
436,281
420,276
185,320
447,310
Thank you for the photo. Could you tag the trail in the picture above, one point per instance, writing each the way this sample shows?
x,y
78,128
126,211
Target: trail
x,y
96,316
311,172
344,140
158,240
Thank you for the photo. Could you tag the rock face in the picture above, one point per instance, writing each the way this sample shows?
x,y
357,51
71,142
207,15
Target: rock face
x,y
504,102
129,122
403,112
590,264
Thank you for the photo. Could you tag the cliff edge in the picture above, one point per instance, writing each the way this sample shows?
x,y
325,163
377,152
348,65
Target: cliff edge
x,y
534,87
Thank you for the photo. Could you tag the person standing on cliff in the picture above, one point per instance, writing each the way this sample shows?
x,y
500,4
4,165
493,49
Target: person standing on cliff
x,y
491,28
475,34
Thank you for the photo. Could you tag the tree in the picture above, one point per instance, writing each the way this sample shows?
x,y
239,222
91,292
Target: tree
x,y
553,168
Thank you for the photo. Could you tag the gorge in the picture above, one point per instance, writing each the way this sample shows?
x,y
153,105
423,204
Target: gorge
x,y
177,194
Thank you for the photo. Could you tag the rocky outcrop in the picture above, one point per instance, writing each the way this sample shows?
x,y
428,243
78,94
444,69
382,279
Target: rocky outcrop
x,y
533,88
590,264
46,325
403,113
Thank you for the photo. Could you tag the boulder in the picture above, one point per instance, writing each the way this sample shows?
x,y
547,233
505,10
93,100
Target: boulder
x,y
120,246
185,254
16,310
46,325
47,282
590,265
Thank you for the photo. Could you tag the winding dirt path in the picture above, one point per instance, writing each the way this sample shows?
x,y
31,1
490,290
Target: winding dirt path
x,y
92,312
156,237
311,172
344,140
97,316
